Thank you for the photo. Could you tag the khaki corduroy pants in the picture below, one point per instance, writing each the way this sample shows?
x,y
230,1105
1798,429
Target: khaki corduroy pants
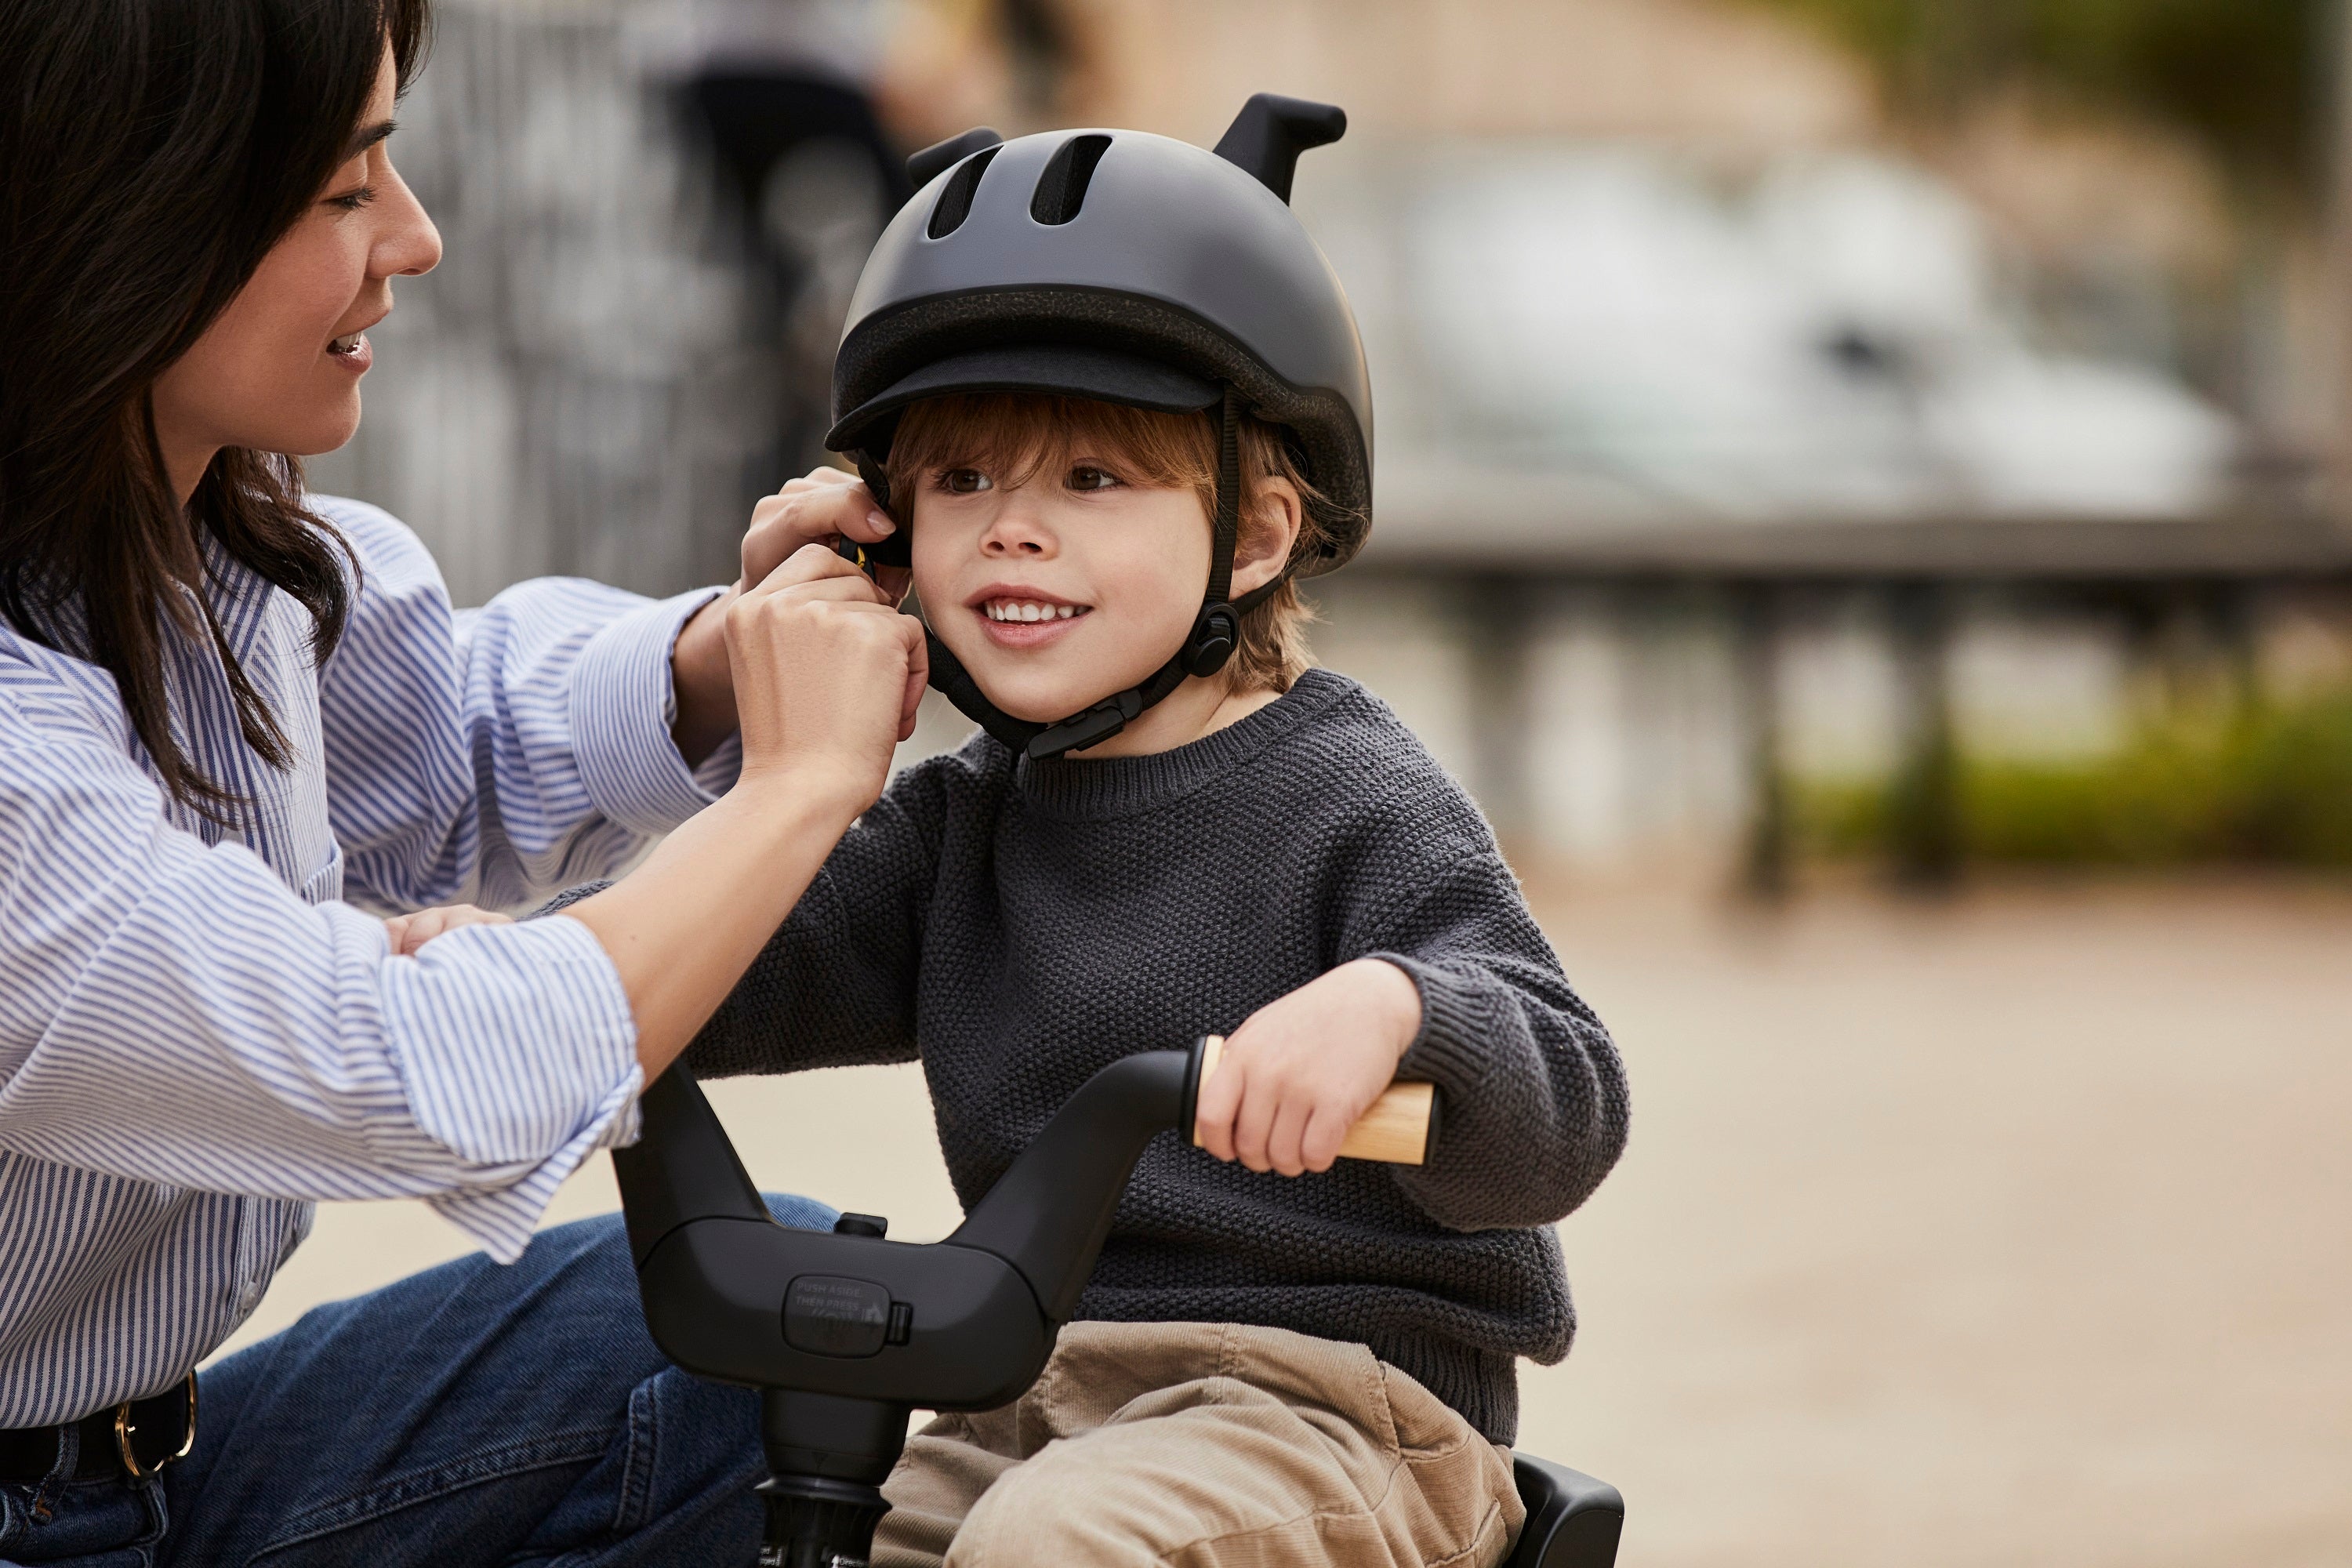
x,y
1204,1446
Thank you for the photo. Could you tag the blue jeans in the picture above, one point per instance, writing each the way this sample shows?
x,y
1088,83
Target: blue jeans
x,y
469,1415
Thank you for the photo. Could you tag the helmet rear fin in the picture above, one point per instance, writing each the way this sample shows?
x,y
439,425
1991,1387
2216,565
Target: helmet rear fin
x,y
1266,137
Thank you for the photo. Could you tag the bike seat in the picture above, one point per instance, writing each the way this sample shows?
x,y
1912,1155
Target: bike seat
x,y
1573,1520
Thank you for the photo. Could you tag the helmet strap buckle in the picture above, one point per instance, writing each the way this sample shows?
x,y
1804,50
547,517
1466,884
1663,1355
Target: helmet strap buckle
x,y
1091,728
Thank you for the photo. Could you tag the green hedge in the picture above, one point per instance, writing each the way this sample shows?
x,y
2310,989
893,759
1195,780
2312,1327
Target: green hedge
x,y
2271,784
2249,78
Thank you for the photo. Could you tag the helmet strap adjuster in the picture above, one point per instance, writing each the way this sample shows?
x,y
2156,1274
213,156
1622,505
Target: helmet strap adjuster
x,y
1214,632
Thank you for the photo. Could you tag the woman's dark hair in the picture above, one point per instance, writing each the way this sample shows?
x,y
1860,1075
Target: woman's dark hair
x,y
150,153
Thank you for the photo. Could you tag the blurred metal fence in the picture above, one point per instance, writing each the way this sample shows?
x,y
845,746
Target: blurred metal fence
x,y
1627,647
1650,697
574,389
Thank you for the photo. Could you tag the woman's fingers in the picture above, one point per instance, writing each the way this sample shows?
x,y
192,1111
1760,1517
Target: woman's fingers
x,y
919,676
815,570
702,673
816,510
412,932
823,667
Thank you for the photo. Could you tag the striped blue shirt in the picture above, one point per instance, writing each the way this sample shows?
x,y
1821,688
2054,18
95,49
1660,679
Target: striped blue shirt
x,y
200,1038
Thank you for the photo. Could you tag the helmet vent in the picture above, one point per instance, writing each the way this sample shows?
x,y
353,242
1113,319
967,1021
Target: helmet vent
x,y
1062,188
954,204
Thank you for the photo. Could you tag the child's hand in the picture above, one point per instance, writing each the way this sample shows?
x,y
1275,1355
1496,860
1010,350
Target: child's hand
x,y
409,932
1296,1076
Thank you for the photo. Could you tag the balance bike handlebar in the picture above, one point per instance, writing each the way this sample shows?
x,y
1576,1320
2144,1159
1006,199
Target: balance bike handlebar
x,y
963,1323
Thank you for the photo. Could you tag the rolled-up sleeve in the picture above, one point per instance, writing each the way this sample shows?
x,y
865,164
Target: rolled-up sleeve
x,y
173,1013
622,706
492,756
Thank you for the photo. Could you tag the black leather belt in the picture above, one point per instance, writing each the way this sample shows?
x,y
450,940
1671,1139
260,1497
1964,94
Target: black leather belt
x,y
136,1439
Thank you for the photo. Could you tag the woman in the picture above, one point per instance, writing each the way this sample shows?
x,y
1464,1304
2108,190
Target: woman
x,y
226,706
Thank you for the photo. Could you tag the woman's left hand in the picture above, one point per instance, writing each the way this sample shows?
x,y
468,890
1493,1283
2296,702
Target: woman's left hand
x,y
409,932
817,509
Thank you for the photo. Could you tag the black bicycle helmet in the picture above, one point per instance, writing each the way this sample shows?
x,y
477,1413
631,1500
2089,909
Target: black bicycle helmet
x,y
1133,269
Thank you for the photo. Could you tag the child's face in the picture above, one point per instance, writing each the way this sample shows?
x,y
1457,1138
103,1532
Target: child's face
x,y
1063,589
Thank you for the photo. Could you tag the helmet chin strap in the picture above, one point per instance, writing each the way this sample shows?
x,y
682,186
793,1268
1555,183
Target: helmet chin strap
x,y
1206,647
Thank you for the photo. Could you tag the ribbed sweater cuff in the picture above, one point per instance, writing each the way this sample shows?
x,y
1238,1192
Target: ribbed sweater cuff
x,y
1483,1388
1451,1050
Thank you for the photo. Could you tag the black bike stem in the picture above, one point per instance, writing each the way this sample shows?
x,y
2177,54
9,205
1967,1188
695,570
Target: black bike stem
x,y
844,1334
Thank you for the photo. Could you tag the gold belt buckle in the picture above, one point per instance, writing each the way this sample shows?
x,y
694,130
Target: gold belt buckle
x,y
123,1429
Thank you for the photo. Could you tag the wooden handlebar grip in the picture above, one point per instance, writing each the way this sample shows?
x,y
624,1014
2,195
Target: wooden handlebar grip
x,y
1394,1128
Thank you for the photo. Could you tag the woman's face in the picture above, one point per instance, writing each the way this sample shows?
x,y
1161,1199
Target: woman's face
x,y
279,369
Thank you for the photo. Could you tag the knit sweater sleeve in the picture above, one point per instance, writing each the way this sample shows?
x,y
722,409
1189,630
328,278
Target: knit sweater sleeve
x,y
1532,1101
835,985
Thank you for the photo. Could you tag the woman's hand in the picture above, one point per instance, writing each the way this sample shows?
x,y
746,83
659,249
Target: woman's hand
x,y
826,505
826,676
823,505
1304,1067
409,932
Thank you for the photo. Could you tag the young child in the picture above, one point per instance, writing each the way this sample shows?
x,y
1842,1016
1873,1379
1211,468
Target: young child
x,y
1281,1358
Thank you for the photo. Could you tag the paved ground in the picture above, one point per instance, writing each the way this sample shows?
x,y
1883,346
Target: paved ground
x,y
2011,1231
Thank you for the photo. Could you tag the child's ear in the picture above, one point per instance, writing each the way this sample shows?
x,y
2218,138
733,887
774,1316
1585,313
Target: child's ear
x,y
1271,528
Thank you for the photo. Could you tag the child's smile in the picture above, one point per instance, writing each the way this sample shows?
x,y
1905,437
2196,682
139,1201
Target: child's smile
x,y
1017,617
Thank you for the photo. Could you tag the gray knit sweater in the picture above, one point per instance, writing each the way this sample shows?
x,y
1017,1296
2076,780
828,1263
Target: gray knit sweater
x,y
1016,926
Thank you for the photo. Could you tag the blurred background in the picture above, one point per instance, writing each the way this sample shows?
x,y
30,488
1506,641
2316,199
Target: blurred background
x,y
1859,501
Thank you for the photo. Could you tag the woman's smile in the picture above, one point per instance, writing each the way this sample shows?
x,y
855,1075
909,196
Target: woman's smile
x,y
351,350
352,353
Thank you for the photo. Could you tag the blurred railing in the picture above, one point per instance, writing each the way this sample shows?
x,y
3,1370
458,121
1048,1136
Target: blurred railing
x,y
574,389
1620,692
1634,642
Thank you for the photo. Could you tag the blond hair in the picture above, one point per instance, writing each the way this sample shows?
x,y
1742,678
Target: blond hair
x,y
1015,436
